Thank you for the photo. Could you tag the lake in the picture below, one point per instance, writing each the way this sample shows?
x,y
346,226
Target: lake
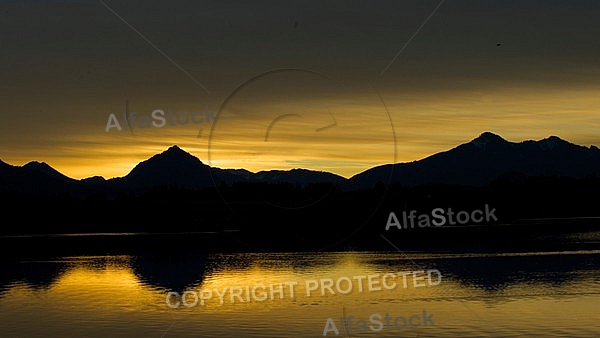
x,y
423,294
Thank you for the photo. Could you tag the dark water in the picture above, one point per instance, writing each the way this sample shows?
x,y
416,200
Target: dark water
x,y
529,294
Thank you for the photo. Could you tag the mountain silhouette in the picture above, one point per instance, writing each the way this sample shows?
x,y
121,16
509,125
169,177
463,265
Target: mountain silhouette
x,y
486,158
174,191
173,167
44,168
35,178
178,168
475,163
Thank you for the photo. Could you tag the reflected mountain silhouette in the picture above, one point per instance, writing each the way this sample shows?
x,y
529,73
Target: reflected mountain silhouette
x,y
487,272
172,273
493,274
34,274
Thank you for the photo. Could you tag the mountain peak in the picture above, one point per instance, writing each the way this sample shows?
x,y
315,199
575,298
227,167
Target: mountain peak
x,y
552,142
174,152
36,164
488,135
45,168
175,149
487,138
172,166
41,167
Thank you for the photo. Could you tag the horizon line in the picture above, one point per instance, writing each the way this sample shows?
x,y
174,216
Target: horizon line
x,y
299,168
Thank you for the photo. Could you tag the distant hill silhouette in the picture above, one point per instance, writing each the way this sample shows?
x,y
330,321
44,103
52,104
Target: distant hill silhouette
x,y
35,178
487,158
44,168
476,163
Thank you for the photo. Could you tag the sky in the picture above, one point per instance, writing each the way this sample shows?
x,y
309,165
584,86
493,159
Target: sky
x,y
340,86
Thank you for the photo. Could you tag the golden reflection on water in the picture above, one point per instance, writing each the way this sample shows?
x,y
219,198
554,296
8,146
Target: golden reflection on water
x,y
107,295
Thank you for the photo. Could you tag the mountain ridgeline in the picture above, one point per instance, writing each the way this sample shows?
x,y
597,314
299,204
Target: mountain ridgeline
x,y
488,158
176,191
476,163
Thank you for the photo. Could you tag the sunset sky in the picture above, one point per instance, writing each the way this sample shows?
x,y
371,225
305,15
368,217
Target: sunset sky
x,y
277,72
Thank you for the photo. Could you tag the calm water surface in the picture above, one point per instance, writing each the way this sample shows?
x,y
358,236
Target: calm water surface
x,y
535,294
